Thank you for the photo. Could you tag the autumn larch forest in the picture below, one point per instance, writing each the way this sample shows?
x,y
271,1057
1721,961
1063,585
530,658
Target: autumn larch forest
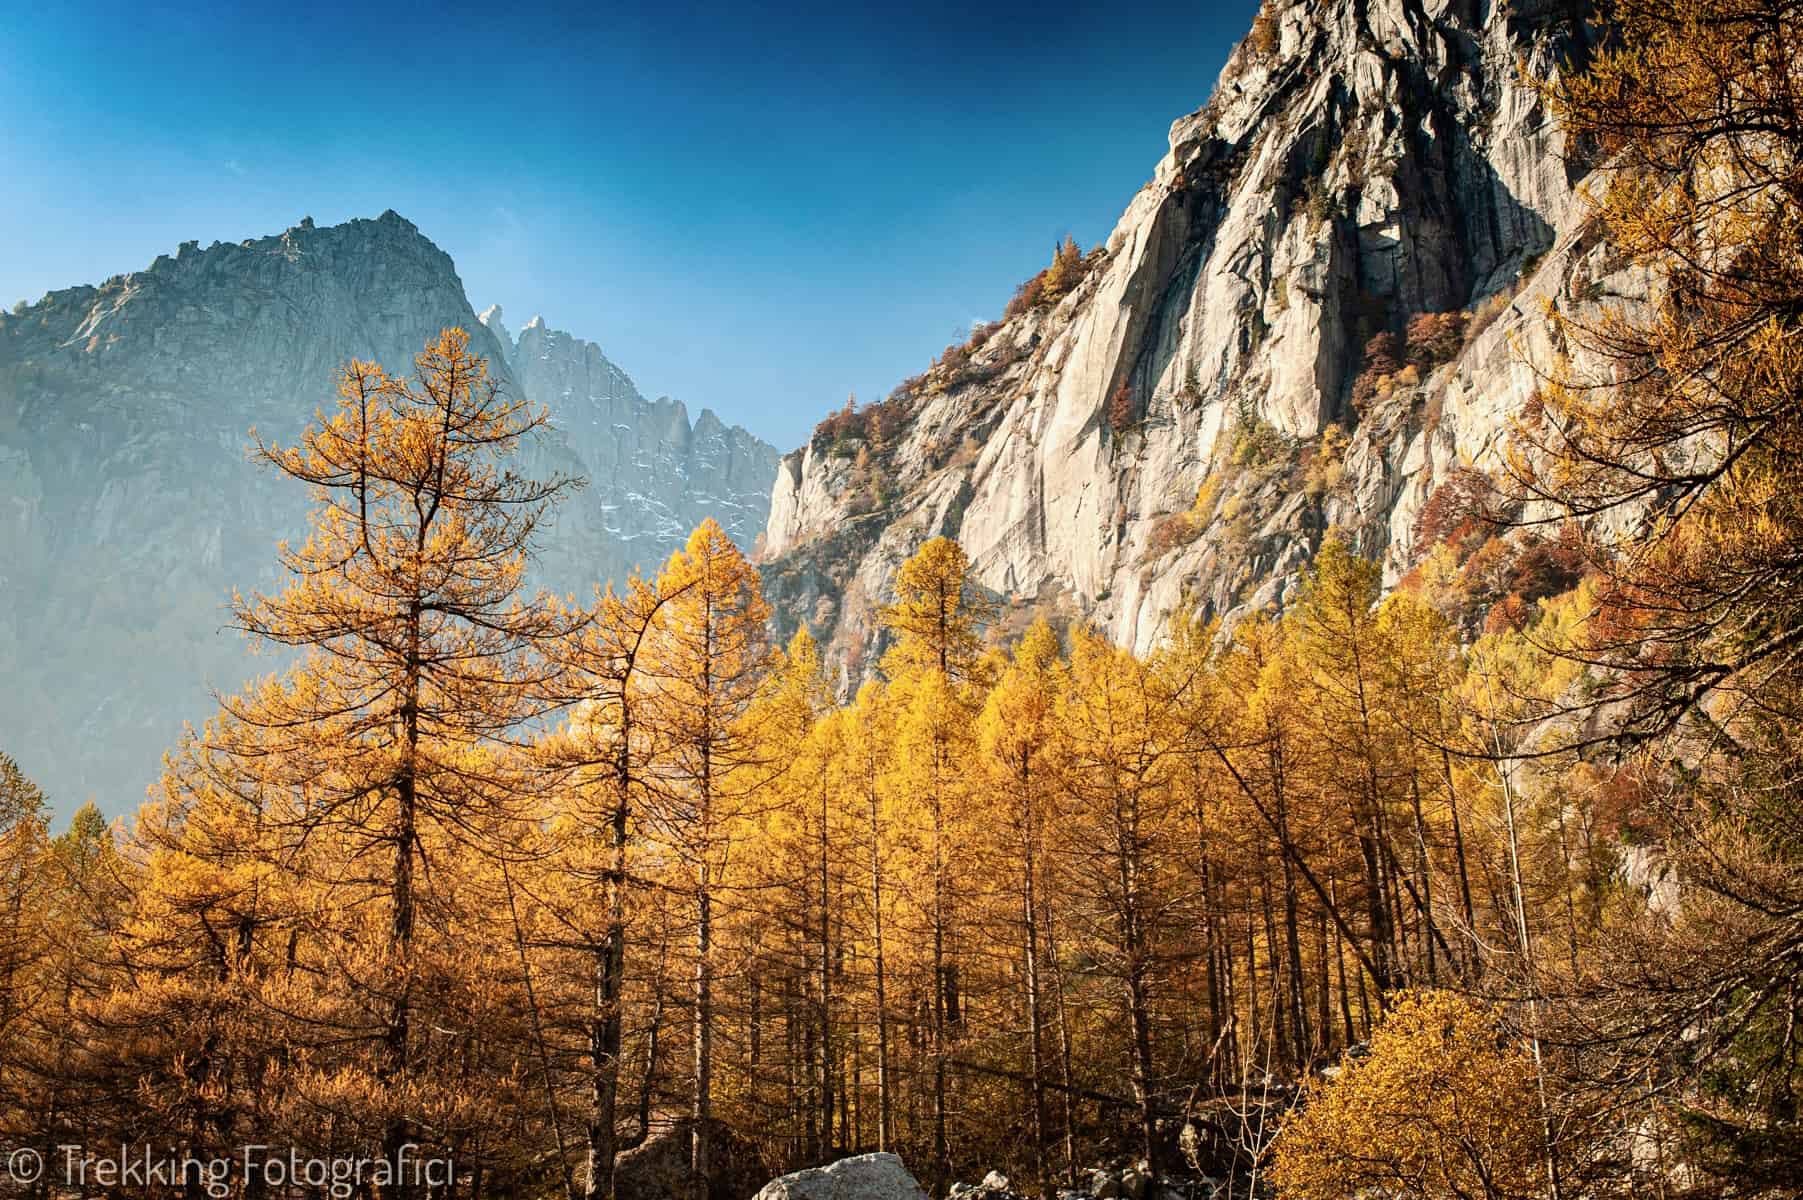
x,y
1489,885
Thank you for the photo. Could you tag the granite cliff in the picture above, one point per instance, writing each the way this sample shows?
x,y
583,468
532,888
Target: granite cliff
x,y
1324,305
128,509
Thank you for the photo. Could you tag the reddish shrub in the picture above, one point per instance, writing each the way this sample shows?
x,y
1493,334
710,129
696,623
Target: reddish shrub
x,y
1524,569
1120,407
1383,358
1624,807
1028,295
876,424
848,422
1510,613
1466,503
884,421
1172,531
1548,566
1434,338
1384,352
1487,572
1533,413
1624,616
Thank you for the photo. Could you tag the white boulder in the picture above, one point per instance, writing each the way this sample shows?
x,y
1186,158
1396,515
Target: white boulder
x,y
864,1177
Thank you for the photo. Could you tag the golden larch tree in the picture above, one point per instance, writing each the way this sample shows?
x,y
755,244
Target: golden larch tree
x,y
404,602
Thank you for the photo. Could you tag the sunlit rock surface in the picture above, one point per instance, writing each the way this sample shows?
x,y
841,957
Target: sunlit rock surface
x,y
1357,165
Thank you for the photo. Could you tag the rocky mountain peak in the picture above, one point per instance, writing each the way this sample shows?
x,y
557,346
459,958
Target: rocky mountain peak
x,y
1183,415
491,320
646,455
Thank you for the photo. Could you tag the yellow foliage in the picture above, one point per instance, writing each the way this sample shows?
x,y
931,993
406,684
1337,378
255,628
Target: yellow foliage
x,y
1441,1109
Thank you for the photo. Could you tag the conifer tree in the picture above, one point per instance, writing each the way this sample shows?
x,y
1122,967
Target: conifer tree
x,y
604,759
24,838
403,601
868,739
191,1036
1339,649
709,653
793,861
937,618
1017,734
1117,757
1686,406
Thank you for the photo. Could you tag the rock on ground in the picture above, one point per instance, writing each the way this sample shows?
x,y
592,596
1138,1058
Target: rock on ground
x,y
865,1177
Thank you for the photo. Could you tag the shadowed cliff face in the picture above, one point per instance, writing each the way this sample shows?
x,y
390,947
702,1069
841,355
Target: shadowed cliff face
x,y
1181,427
128,508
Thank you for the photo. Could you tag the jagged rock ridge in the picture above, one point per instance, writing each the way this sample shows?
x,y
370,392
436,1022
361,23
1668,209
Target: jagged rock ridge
x,y
128,509
1180,426
654,475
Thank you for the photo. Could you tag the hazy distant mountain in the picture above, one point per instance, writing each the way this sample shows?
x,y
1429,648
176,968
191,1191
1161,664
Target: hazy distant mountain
x,y
644,460
128,509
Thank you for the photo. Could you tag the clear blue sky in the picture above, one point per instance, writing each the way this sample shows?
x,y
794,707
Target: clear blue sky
x,y
757,209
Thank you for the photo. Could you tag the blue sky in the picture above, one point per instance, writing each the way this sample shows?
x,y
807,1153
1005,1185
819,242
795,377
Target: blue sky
x,y
755,209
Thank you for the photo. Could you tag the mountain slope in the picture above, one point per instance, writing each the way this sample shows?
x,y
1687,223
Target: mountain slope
x,y
1180,416
128,509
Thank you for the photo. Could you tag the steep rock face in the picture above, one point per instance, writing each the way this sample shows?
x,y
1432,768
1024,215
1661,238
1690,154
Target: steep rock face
x,y
1156,435
129,510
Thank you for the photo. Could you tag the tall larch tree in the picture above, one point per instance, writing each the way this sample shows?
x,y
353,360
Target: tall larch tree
x,y
404,602
867,739
1017,735
709,654
937,620
1678,420
1339,653
24,845
794,863
602,762
1117,756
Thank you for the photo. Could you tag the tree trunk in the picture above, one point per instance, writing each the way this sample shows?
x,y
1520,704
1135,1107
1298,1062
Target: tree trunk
x,y
1030,976
1458,848
606,1021
1064,1050
826,984
941,987
1134,952
885,1101
702,1111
